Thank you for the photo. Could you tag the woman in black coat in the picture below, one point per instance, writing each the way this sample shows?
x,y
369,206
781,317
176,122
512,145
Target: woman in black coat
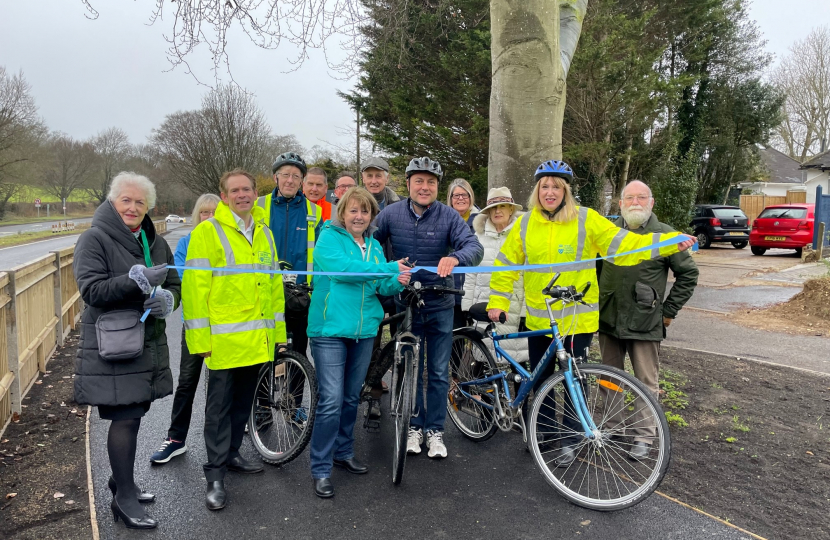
x,y
120,266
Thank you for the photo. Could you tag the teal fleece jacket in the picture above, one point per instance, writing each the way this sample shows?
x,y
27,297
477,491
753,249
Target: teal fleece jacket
x,y
347,306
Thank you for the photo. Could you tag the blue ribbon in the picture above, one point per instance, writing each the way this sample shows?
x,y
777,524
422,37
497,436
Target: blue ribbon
x,y
434,269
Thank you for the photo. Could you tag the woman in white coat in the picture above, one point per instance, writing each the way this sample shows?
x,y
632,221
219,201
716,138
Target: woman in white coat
x,y
491,226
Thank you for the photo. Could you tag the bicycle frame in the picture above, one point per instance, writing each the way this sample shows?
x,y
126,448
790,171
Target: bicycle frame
x,y
528,379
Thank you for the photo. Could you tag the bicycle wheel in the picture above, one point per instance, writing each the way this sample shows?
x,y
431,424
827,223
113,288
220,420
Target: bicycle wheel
x,y
281,419
402,403
469,361
604,474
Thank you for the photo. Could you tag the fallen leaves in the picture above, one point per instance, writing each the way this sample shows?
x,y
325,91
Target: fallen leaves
x,y
11,495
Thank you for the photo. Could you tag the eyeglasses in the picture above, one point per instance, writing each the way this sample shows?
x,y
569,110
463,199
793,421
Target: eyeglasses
x,y
638,198
461,197
206,212
345,186
286,176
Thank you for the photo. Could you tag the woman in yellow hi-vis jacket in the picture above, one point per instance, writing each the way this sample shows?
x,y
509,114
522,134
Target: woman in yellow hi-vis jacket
x,y
557,231
233,319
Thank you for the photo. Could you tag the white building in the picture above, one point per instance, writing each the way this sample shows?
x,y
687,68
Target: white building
x,y
785,174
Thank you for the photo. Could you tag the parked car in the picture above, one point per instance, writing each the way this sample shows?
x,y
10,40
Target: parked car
x,y
720,223
173,218
787,226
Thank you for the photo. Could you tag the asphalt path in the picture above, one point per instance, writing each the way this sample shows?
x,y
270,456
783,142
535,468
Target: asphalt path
x,y
17,255
486,489
39,226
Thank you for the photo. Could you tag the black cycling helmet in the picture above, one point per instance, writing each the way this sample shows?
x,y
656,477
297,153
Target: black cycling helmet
x,y
424,164
289,158
555,168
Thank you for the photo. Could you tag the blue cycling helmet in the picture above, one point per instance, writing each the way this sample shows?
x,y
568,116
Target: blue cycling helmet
x,y
555,168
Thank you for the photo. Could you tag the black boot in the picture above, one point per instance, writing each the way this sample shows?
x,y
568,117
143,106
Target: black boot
x,y
215,497
323,488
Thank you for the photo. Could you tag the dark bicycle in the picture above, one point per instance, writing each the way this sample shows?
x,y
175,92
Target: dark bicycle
x,y
401,354
285,399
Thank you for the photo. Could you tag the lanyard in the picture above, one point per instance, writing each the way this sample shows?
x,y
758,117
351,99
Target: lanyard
x,y
147,260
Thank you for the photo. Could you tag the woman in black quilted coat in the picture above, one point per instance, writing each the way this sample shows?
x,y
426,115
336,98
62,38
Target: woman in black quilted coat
x,y
120,264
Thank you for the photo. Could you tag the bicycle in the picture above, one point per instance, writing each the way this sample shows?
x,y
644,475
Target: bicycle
x,y
401,354
592,409
285,400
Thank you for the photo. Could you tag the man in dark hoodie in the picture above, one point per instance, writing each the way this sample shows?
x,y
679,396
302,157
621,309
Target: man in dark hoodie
x,y
431,234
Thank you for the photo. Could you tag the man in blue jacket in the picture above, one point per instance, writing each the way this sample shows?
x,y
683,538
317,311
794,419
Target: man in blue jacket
x,y
295,223
431,234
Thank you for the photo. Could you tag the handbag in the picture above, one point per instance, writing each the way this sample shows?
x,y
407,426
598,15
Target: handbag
x,y
120,335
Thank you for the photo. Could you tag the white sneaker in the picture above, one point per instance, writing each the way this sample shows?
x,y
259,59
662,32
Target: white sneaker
x,y
414,440
435,443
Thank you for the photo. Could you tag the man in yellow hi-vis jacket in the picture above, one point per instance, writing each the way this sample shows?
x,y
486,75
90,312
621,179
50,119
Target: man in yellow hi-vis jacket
x,y
557,231
232,319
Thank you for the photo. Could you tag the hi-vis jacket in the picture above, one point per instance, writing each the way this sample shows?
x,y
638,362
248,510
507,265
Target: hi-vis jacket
x,y
535,239
238,317
287,217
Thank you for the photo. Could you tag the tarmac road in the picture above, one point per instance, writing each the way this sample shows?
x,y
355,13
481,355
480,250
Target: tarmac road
x,y
17,255
488,489
38,226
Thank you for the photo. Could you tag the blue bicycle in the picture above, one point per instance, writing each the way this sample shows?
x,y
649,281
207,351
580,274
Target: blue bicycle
x,y
582,422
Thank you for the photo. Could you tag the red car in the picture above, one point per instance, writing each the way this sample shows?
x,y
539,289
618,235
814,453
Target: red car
x,y
787,226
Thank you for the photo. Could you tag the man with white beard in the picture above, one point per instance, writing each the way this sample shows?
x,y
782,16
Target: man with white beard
x,y
633,315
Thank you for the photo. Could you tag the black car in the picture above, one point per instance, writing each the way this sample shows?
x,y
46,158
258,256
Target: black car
x,y
720,223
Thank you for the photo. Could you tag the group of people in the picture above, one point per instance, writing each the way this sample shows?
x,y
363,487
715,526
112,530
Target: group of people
x,y
234,321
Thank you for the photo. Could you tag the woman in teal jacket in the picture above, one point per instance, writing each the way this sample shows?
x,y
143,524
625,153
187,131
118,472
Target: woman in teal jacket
x,y
343,320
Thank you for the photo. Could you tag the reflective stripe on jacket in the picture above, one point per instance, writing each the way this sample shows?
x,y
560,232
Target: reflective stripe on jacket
x,y
238,317
289,244
535,239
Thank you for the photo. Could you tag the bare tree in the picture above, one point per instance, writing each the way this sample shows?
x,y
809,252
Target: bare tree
x,y
804,76
228,131
68,167
20,132
112,146
533,42
306,24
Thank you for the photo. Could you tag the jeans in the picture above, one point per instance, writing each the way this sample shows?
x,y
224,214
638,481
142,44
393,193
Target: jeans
x,y
190,369
341,366
575,345
435,331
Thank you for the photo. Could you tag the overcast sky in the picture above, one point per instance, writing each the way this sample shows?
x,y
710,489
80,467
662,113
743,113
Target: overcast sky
x,y
88,75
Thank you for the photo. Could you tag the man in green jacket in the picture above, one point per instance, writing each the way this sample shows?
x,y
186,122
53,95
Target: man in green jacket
x,y
633,317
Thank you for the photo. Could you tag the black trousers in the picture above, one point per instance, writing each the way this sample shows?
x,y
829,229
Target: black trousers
x,y
536,347
190,369
229,399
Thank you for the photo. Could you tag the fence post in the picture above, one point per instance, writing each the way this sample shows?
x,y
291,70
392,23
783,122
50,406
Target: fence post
x,y
818,218
820,249
58,298
15,391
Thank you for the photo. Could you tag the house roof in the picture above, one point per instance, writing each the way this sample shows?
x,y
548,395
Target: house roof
x,y
782,168
819,161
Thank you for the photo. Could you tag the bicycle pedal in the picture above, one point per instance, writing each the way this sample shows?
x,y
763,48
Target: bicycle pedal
x,y
371,425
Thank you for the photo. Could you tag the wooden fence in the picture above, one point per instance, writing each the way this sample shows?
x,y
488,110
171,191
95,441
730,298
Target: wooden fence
x,y
39,306
753,205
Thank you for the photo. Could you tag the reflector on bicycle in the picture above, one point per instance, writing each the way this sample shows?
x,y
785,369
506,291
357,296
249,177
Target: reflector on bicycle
x,y
609,385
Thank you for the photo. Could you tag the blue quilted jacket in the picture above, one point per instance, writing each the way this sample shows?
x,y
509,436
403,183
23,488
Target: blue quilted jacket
x,y
439,232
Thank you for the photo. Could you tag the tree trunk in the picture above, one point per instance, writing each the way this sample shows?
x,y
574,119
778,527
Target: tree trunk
x,y
532,43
